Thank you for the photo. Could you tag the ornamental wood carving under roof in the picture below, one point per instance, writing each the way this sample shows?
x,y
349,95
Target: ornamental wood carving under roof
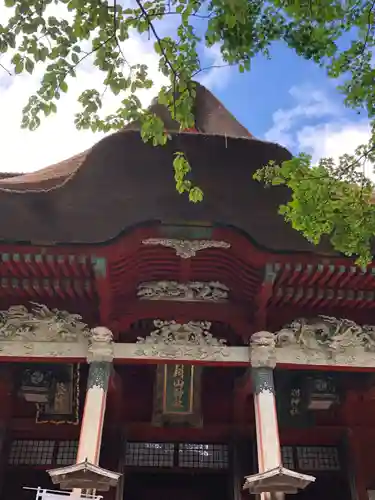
x,y
41,324
328,333
192,291
186,248
173,340
42,333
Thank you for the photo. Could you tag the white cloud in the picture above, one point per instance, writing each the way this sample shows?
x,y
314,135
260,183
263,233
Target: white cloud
x,y
330,133
57,138
331,140
218,74
310,103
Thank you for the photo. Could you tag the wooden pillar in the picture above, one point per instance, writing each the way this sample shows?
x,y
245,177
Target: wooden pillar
x,y
93,415
6,408
100,357
353,454
263,361
267,429
271,476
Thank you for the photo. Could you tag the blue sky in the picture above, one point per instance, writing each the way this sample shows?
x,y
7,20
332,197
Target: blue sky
x,y
288,89
286,100
266,88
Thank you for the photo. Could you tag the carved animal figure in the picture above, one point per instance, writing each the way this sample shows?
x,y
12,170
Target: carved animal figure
x,y
262,349
101,334
263,339
190,292
327,332
40,324
172,339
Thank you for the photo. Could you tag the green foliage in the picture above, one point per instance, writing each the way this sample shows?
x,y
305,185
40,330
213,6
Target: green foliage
x,y
327,199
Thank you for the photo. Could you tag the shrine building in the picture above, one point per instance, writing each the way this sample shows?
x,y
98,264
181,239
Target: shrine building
x,y
152,348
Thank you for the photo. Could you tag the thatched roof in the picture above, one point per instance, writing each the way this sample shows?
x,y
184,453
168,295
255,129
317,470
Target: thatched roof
x,y
122,182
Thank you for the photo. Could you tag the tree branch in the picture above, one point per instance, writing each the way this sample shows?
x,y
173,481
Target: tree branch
x,y
213,66
5,69
158,40
115,34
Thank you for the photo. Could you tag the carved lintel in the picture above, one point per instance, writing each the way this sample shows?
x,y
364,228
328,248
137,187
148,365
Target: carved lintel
x,y
263,350
327,334
192,291
40,324
174,340
100,345
186,248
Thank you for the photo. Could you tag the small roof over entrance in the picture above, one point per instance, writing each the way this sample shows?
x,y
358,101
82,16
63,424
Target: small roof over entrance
x,y
85,476
277,480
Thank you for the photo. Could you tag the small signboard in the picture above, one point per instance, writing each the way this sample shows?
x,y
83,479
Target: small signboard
x,y
178,395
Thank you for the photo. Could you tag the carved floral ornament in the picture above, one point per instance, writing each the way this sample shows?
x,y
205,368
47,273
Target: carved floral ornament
x,y
173,340
192,291
326,332
323,334
186,248
321,337
41,324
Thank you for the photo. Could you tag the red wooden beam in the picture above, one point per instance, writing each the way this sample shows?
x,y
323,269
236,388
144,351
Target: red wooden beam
x,y
242,390
104,289
242,254
263,297
237,316
27,428
209,433
323,436
115,401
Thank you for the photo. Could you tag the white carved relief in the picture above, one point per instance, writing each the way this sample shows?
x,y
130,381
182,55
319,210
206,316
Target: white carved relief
x,y
193,291
41,324
186,248
323,340
263,350
43,349
100,346
42,333
174,340
55,353
327,333
55,349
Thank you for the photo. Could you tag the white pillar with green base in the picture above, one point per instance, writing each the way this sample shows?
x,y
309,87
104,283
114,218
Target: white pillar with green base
x,y
272,480
86,473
